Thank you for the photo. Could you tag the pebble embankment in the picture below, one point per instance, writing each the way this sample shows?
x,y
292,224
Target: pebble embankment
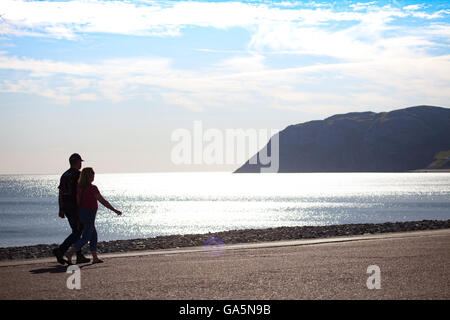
x,y
231,237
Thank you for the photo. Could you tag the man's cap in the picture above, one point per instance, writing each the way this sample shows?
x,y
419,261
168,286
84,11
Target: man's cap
x,y
75,157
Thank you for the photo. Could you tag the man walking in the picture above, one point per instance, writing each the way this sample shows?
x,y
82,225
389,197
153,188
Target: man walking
x,y
68,208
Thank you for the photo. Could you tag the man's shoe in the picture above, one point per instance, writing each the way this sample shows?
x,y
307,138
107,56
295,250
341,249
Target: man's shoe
x,y
59,256
82,259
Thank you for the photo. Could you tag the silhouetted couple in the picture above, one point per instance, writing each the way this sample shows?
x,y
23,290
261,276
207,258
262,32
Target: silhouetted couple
x,y
78,203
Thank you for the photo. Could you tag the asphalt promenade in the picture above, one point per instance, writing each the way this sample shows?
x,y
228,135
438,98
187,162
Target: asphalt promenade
x,y
412,265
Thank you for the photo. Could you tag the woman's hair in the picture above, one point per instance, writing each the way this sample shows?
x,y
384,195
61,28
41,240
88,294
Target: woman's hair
x,y
85,177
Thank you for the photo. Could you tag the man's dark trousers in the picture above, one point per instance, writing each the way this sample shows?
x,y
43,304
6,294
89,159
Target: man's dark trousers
x,y
71,213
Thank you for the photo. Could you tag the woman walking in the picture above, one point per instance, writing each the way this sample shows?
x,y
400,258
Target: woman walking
x,y
87,197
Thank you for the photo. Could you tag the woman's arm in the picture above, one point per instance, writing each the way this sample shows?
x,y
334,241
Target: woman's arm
x,y
99,197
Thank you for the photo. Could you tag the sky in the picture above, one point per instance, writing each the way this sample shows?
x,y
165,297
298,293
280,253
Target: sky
x,y
112,80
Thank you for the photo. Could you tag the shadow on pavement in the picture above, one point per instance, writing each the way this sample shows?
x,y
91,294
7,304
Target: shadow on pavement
x,y
54,269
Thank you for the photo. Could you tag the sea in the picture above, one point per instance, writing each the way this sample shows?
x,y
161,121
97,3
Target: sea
x,y
157,204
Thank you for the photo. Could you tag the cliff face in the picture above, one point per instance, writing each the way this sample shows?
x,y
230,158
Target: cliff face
x,y
400,140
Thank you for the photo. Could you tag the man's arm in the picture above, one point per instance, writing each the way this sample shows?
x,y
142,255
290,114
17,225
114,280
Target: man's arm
x,y
61,212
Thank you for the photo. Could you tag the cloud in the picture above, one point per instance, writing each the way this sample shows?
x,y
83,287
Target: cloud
x,y
374,61
317,88
413,7
310,40
362,31
362,5
254,62
64,81
69,19
363,36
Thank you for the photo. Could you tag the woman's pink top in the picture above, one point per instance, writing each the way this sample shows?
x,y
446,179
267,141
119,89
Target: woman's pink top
x,y
88,198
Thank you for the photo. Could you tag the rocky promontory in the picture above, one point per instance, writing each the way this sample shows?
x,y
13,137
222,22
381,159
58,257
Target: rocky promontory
x,y
396,141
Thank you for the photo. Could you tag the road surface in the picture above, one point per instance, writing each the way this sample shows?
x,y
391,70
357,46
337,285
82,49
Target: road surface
x,y
413,265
